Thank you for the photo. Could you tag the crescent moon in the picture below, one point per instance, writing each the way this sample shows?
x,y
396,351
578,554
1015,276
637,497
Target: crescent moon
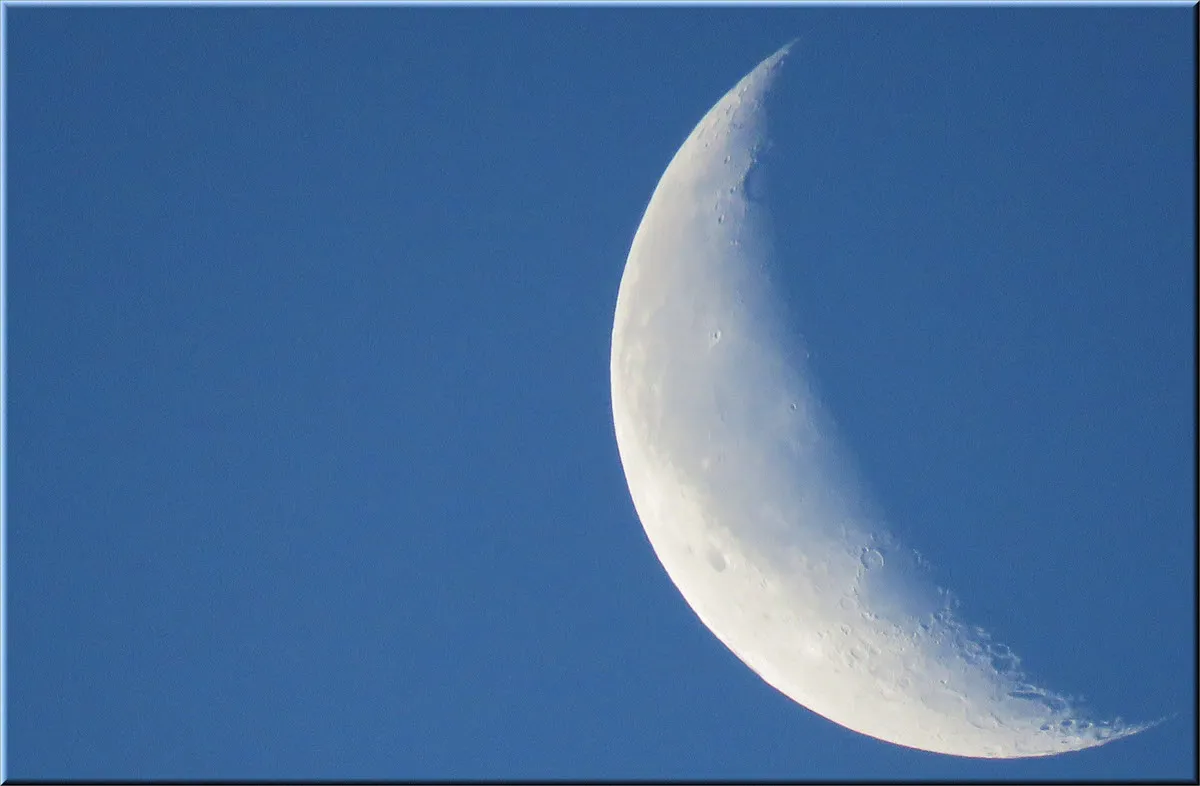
x,y
749,502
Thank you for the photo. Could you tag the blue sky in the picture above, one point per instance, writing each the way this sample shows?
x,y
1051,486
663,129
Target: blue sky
x,y
310,462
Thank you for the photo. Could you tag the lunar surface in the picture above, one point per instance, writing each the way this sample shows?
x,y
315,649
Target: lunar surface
x,y
751,506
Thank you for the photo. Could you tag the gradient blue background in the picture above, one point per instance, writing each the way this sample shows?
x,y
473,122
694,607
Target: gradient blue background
x,y
311,470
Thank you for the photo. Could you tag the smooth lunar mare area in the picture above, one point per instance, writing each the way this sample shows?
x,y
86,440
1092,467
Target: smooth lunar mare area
x,y
735,473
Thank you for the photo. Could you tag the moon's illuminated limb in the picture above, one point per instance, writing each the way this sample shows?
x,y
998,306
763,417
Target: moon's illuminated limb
x,y
735,473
